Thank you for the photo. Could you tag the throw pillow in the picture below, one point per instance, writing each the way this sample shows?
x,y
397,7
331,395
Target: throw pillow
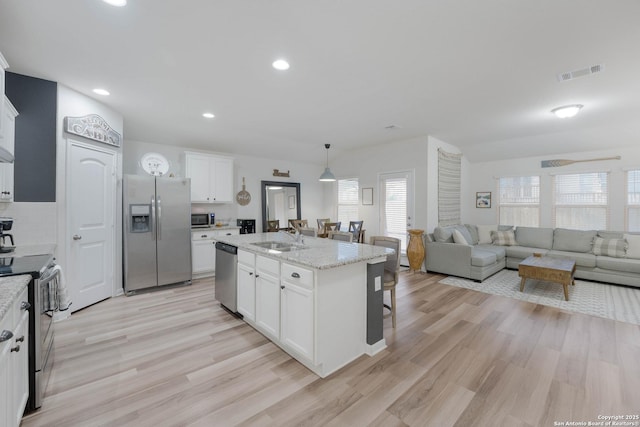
x,y
503,238
616,248
458,238
484,233
633,249
473,230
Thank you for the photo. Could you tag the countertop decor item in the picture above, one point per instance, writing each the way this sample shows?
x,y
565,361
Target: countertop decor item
x,y
415,249
243,197
564,162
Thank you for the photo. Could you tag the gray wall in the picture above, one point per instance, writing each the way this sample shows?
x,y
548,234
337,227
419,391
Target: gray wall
x,y
35,152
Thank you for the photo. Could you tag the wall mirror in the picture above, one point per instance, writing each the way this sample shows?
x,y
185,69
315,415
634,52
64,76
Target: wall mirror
x,y
281,202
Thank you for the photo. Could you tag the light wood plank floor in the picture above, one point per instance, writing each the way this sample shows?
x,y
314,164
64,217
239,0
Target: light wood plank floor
x,y
457,358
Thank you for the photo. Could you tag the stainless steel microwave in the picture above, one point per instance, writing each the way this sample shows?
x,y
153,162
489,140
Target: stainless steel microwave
x,y
199,220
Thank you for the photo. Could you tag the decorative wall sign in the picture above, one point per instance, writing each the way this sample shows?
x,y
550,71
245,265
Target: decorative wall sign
x,y
276,172
93,127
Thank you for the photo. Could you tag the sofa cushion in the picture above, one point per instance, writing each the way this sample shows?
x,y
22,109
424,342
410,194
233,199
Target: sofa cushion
x,y
473,230
535,237
619,264
522,252
610,234
500,251
616,248
503,238
445,234
581,259
573,240
484,233
633,248
482,258
459,239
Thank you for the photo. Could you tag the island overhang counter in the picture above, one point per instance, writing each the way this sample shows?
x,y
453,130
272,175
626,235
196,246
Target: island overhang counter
x,y
320,300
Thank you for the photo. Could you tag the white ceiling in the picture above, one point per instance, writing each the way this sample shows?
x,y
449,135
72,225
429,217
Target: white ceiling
x,y
477,74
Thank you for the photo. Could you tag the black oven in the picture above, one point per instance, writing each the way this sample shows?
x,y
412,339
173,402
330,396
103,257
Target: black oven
x,y
199,220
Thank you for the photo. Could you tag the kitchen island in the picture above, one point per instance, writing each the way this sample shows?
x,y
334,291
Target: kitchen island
x,y
320,300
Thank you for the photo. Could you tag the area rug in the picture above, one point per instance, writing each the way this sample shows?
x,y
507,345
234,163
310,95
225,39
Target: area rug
x,y
597,299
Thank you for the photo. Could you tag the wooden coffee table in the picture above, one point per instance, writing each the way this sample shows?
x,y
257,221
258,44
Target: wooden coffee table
x,y
549,269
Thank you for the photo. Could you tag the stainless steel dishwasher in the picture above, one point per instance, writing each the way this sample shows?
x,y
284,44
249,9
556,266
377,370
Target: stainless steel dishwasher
x,y
227,276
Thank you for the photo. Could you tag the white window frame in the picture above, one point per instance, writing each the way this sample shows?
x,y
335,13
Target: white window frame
x,y
518,204
631,205
606,207
350,204
408,175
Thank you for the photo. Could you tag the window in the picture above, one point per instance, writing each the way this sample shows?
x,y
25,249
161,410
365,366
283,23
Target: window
x,y
519,201
348,190
633,200
396,205
581,201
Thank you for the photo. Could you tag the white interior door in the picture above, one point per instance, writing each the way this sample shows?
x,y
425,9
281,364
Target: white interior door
x,y
396,205
91,190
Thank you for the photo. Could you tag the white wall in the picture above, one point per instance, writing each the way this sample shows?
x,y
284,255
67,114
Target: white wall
x,y
484,176
75,104
253,169
33,223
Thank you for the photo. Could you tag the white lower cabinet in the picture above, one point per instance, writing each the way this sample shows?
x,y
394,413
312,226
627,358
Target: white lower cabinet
x,y
14,363
203,250
246,285
268,296
297,319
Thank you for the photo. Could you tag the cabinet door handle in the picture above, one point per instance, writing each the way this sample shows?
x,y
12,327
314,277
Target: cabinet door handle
x,y
5,335
25,305
21,339
77,237
257,275
281,286
228,234
295,275
16,349
203,236
250,274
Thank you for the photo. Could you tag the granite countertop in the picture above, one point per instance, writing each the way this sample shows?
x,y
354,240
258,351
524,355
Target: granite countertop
x,y
318,253
27,250
10,288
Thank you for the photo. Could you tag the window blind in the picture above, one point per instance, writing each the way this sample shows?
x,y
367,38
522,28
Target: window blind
x,y
633,200
581,201
519,201
348,190
395,208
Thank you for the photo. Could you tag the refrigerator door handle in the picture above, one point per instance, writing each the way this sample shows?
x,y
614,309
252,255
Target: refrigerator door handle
x,y
159,218
153,218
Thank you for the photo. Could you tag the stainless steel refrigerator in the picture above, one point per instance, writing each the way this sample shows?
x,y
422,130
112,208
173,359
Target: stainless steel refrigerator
x,y
157,231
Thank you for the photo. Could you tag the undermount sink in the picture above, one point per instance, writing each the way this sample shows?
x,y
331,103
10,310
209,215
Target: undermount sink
x,y
279,246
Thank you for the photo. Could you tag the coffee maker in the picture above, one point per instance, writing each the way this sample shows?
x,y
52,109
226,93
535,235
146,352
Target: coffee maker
x,y
5,225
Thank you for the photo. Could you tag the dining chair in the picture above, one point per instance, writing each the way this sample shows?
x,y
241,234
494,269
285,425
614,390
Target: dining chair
x,y
331,226
297,224
391,269
306,231
355,227
273,225
321,222
341,235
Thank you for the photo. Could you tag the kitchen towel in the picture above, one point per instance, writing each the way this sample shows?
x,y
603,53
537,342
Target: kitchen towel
x,y
64,300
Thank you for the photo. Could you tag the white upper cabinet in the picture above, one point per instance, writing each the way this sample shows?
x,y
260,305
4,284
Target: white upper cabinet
x,y
211,177
3,66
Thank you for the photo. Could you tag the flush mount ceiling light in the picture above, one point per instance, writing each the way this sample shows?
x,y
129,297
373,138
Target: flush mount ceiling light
x,y
102,92
327,176
208,115
117,3
567,111
280,64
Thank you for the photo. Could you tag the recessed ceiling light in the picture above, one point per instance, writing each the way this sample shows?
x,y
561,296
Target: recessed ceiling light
x,y
567,111
208,115
280,64
118,3
102,92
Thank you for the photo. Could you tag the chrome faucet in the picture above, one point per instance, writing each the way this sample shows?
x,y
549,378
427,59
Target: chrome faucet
x,y
297,237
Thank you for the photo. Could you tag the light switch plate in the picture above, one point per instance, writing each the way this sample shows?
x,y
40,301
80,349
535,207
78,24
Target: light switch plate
x,y
378,283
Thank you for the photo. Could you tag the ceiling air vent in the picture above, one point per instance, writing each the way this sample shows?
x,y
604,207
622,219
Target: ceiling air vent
x,y
570,75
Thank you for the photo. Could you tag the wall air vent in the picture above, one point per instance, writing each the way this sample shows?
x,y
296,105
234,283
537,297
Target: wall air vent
x,y
570,75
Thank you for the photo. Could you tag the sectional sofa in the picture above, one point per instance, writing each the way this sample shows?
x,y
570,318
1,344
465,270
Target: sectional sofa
x,y
476,251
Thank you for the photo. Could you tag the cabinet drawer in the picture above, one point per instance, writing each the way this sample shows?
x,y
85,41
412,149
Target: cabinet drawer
x,y
203,235
229,232
268,265
246,258
18,310
298,275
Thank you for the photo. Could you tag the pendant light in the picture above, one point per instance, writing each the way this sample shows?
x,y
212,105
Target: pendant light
x,y
327,176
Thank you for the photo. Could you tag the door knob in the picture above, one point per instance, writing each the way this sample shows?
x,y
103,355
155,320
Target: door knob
x,y
76,237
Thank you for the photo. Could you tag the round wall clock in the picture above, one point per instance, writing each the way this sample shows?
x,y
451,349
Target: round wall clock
x,y
154,164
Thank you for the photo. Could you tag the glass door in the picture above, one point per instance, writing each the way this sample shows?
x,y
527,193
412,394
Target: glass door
x,y
396,205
